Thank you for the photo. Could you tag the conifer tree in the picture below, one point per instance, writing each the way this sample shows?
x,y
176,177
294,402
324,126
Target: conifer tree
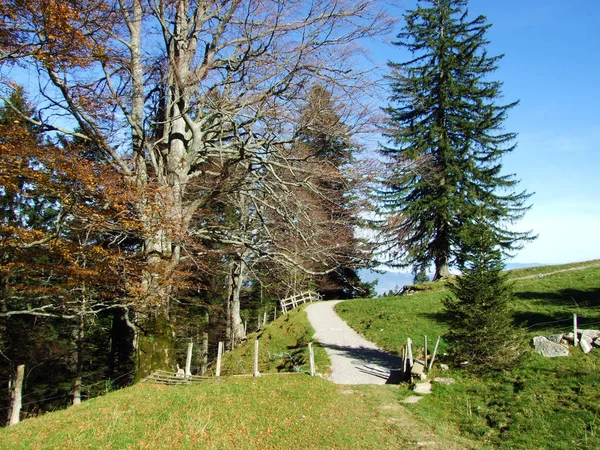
x,y
446,140
327,141
481,329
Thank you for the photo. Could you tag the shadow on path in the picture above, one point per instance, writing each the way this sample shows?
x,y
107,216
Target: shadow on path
x,y
371,361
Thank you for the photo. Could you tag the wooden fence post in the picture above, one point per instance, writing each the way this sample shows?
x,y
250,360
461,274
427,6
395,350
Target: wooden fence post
x,y
425,352
204,364
188,360
256,373
219,353
575,340
434,353
265,319
410,353
311,356
17,396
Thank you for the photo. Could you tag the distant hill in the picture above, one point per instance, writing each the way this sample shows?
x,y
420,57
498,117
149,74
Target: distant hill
x,y
395,280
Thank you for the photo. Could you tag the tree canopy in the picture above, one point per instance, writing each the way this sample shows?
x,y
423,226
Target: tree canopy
x,y
446,140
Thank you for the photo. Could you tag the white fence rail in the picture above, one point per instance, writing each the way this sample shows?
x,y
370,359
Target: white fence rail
x,y
290,303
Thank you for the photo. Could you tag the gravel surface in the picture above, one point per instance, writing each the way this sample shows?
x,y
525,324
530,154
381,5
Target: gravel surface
x,y
354,360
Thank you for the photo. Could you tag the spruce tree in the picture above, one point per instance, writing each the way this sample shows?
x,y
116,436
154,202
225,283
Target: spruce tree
x,y
420,276
327,141
445,140
481,328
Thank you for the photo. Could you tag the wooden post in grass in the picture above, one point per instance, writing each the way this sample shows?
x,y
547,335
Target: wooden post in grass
x,y
219,354
204,360
410,353
575,341
188,361
256,373
311,357
265,319
434,353
425,352
17,395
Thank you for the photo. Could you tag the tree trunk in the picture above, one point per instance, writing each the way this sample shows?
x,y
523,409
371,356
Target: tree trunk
x,y
204,365
236,279
156,345
78,335
122,343
17,396
441,268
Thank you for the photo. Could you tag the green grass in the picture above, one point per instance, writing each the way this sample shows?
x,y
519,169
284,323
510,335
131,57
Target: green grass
x,y
546,403
274,412
283,347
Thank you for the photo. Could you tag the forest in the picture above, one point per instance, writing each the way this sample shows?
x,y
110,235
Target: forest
x,y
171,169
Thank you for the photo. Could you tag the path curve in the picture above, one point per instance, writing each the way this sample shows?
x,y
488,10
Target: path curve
x,y
354,360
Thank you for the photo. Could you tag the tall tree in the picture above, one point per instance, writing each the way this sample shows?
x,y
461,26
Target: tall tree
x,y
162,88
327,140
446,140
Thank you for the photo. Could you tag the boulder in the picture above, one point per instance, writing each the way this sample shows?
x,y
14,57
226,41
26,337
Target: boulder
x,y
422,388
443,380
548,348
556,338
418,370
585,344
592,334
596,342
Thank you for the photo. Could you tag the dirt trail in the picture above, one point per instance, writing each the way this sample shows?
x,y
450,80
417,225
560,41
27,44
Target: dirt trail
x,y
354,360
542,275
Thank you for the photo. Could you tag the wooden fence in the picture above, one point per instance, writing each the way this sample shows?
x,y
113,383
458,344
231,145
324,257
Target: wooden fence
x,y
290,303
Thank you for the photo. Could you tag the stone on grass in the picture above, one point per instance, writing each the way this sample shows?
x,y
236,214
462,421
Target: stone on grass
x,y
596,342
442,380
422,388
592,334
556,338
444,367
418,370
585,345
548,348
412,399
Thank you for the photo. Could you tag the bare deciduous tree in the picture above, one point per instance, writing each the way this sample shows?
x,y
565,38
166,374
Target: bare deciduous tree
x,y
176,95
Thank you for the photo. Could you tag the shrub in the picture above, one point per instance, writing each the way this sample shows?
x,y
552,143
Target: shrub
x,y
481,329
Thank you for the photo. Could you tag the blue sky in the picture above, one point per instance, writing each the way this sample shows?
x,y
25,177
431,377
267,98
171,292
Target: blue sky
x,y
552,65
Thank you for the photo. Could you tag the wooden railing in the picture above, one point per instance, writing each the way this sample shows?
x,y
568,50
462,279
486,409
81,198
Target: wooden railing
x,y
290,303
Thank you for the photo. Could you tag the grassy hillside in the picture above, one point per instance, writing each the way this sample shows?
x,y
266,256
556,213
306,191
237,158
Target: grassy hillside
x,y
283,347
271,412
547,403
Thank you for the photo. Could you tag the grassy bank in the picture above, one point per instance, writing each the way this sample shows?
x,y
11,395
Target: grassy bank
x,y
271,412
283,347
546,403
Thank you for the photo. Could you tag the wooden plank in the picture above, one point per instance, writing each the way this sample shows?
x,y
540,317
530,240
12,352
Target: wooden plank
x,y
219,356
256,373
311,356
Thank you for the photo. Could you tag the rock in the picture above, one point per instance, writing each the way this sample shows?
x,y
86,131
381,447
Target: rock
x,y
556,338
412,399
592,334
585,344
418,370
549,349
569,337
596,342
444,367
422,388
442,380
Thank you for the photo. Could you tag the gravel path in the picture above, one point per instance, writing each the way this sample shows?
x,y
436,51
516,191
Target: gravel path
x,y
354,360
